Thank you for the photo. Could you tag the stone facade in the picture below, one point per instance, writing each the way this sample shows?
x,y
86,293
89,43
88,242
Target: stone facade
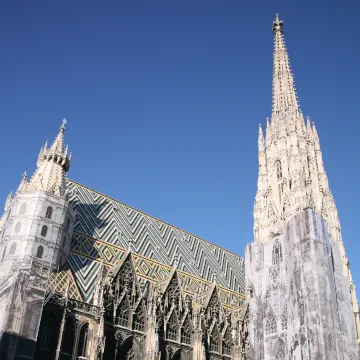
x,y
83,276
299,300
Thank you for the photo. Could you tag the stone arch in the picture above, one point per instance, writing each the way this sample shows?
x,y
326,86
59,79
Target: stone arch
x,y
68,340
40,252
49,212
279,350
44,230
177,355
83,341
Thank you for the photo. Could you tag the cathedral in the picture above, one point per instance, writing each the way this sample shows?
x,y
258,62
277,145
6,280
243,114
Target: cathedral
x,y
86,277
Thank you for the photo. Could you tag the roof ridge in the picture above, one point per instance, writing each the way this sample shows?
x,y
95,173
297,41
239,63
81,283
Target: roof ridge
x,y
155,218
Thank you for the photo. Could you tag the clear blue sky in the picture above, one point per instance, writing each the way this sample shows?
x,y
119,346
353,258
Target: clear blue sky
x,y
163,101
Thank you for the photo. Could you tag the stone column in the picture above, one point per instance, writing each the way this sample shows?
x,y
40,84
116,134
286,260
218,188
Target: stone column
x,y
199,348
61,333
152,336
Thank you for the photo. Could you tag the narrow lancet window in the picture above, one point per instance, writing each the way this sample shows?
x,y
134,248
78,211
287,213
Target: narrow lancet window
x,y
271,325
172,327
83,341
39,252
18,227
12,249
214,340
49,211
44,230
123,313
23,209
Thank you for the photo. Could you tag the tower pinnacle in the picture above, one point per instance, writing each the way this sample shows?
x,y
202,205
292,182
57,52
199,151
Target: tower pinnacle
x,y
284,93
52,165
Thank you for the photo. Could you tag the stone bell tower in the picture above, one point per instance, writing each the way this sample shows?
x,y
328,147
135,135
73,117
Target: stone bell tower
x,y
35,235
302,299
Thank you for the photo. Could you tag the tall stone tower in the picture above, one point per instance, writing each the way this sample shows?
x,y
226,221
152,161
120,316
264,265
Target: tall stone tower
x,y
35,235
302,299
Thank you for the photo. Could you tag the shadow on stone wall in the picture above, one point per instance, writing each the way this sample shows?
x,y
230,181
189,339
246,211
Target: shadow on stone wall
x,y
24,348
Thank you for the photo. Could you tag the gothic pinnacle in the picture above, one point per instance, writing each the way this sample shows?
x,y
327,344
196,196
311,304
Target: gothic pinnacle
x,y
284,93
261,142
23,182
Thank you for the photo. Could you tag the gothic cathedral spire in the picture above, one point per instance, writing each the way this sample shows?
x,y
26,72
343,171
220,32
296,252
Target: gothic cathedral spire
x,y
291,176
284,94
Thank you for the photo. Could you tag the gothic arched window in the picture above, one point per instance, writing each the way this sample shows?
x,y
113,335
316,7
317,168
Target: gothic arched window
x,y
39,252
214,339
271,325
276,253
172,327
227,343
83,341
12,248
23,209
44,230
49,211
123,313
186,331
139,318
278,170
68,340
18,227
279,350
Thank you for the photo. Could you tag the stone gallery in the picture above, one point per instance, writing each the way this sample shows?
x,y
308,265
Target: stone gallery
x,y
84,276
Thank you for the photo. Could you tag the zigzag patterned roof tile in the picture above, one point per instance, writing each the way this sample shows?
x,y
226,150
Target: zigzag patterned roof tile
x,y
104,227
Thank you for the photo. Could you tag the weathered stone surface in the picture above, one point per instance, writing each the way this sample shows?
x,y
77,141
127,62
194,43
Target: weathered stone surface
x,y
299,300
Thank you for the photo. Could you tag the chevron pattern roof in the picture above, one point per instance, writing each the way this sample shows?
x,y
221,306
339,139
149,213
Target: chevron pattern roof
x,y
104,227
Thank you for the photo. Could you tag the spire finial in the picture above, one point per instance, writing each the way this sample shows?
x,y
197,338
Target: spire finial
x,y
277,24
63,125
